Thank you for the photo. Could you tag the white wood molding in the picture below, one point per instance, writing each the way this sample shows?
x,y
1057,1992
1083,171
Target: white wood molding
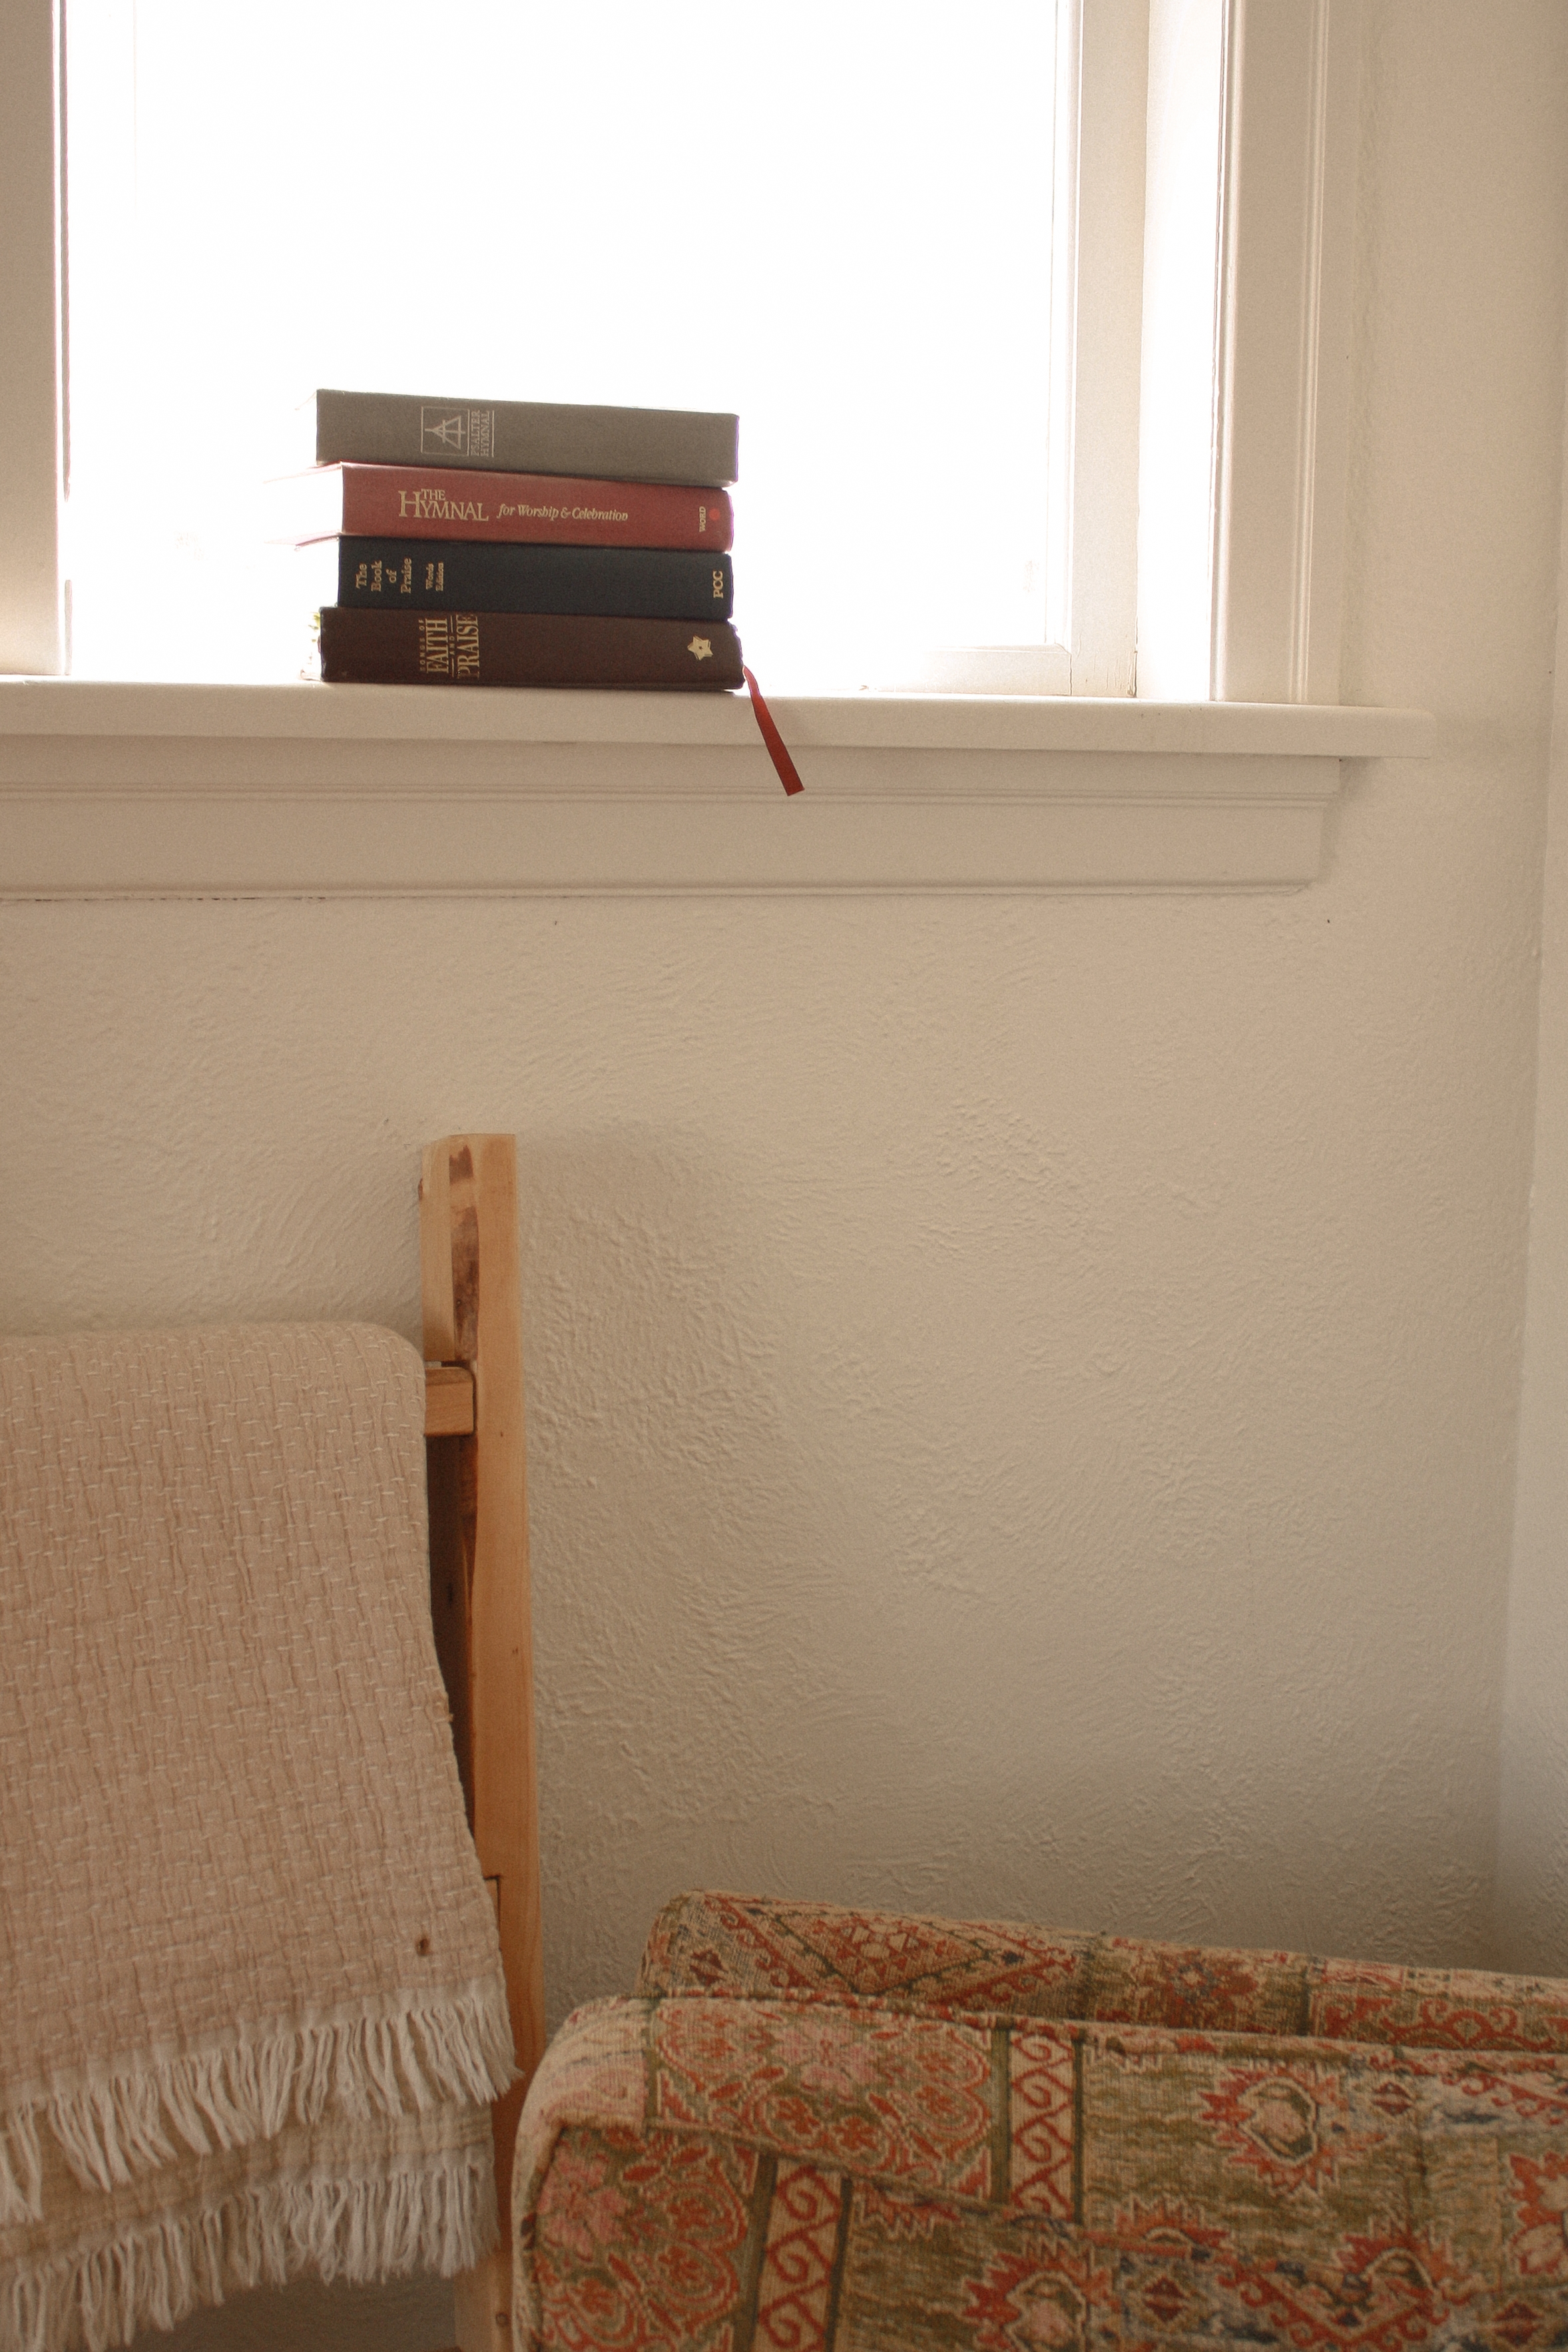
x,y
31,624
1176,423
111,791
1097,266
1288,196
1247,327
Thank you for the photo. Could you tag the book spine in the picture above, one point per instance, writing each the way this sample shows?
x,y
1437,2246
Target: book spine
x,y
411,649
434,575
526,436
428,502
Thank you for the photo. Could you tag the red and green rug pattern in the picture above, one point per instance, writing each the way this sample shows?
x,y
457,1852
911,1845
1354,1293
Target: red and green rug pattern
x,y
813,2128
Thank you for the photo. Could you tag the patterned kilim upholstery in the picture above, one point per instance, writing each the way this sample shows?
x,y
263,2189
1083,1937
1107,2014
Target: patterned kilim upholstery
x,y
813,2127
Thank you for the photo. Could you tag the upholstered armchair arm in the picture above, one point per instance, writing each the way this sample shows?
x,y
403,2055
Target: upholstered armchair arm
x,y
701,2169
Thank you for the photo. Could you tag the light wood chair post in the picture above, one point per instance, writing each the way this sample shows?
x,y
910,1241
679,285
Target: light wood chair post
x,y
479,1597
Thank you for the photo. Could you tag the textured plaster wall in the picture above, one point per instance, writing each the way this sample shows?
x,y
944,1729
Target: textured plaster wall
x,y
1023,1392
1532,1849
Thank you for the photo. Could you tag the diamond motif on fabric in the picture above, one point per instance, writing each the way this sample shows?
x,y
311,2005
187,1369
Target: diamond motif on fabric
x,y
1028,2300
1370,2295
1168,2298
761,1956
1289,2124
876,1952
751,1943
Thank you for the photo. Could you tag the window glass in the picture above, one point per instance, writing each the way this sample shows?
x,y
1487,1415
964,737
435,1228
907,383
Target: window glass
x,y
830,216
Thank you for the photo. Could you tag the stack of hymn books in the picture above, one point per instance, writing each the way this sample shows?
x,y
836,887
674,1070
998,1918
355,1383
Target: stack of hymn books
x,y
524,544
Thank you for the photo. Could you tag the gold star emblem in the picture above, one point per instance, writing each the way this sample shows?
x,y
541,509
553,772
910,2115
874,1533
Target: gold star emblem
x,y
701,648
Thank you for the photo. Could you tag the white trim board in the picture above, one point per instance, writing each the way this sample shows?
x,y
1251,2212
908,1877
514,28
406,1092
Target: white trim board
x,y
110,790
1247,326
31,359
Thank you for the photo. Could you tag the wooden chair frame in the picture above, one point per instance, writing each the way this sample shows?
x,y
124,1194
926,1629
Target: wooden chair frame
x,y
480,1601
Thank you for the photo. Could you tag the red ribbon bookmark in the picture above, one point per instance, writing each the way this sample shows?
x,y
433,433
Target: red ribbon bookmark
x,y
777,751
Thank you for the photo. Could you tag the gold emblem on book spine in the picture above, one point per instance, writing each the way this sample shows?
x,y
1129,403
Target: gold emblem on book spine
x,y
458,432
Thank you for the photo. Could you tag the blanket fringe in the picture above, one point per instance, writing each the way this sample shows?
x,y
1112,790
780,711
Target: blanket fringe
x,y
416,2057
438,2215
21,2170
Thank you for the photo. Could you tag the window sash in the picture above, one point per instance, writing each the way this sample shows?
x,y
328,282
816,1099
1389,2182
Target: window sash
x,y
32,371
1264,547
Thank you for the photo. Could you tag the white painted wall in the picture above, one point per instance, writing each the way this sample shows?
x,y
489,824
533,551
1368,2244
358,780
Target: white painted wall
x,y
1532,1930
1023,1392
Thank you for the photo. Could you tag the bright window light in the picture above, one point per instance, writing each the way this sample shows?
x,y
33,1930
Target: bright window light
x,y
833,216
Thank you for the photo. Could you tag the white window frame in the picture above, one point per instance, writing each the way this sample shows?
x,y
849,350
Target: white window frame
x,y
31,371
1262,548
1258,553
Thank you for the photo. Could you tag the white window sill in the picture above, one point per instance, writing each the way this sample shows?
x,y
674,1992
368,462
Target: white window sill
x,y
111,790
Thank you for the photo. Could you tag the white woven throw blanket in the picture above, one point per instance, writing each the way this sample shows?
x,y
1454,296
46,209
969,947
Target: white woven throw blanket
x,y
251,2000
